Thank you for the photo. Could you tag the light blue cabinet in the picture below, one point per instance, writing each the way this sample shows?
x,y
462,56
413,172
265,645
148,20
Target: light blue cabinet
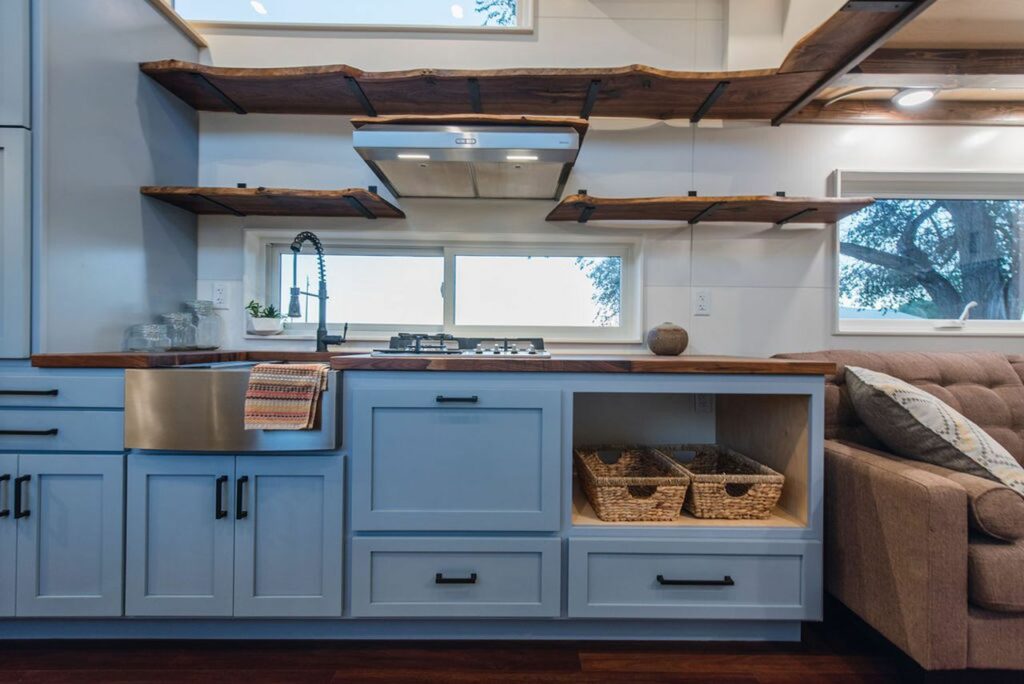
x,y
15,230
15,57
70,511
256,536
450,458
288,544
8,534
456,577
180,535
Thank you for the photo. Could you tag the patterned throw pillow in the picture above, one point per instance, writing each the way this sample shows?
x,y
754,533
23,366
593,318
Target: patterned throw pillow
x,y
917,425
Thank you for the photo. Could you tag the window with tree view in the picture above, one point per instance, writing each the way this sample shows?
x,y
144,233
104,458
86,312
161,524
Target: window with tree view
x,y
496,14
914,259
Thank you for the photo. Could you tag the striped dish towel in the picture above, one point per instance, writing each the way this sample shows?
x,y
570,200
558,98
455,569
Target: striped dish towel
x,y
284,396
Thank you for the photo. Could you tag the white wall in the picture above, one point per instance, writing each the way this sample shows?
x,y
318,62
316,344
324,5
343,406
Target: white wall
x,y
772,290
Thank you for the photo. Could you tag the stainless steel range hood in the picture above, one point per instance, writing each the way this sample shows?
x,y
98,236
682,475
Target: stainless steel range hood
x,y
522,162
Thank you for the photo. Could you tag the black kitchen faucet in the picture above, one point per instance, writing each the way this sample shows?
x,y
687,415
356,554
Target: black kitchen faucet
x,y
294,311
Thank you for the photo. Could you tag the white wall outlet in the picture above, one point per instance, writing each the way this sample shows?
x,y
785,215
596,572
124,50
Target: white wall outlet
x,y
702,303
704,403
219,295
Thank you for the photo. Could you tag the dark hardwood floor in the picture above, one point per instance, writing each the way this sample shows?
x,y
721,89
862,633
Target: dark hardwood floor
x,y
840,651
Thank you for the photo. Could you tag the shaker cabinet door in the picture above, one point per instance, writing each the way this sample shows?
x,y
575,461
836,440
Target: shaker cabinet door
x,y
15,227
8,533
70,512
288,538
180,535
14,63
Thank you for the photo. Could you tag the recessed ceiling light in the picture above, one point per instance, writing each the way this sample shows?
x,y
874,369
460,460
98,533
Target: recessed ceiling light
x,y
911,97
522,157
414,156
258,7
457,11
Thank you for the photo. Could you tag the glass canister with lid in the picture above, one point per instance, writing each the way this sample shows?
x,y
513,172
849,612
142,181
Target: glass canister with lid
x,y
181,329
209,325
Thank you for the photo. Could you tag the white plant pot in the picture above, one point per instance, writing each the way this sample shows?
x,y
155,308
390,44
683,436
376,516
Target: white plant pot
x,y
265,326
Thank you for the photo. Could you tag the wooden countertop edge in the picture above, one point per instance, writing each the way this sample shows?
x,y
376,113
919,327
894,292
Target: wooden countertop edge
x,y
165,359
590,364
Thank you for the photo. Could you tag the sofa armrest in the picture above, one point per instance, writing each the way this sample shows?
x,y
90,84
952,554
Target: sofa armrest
x,y
896,551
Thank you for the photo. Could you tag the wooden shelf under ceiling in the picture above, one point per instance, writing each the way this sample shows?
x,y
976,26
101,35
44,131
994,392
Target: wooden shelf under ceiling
x,y
634,91
351,202
693,210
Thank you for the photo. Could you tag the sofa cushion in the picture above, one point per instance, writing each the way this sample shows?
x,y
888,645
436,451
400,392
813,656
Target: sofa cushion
x,y
918,425
995,574
986,387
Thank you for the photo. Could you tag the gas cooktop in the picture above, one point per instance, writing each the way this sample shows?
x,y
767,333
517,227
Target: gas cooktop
x,y
441,344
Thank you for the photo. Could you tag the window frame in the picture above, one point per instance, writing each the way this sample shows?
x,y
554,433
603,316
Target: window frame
x,y
962,185
526,13
263,273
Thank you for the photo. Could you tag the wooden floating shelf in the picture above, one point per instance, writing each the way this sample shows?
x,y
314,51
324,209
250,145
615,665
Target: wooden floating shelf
x,y
352,202
635,91
693,210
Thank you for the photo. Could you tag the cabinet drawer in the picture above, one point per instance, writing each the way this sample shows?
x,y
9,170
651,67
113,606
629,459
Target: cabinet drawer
x,y
35,430
672,579
47,390
442,577
452,459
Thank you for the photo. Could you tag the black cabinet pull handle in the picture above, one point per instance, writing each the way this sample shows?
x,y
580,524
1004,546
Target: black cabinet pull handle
x,y
18,511
221,512
442,399
439,578
240,509
30,433
5,493
29,393
724,582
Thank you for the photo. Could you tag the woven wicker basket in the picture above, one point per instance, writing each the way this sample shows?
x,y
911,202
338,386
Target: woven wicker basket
x,y
640,484
725,484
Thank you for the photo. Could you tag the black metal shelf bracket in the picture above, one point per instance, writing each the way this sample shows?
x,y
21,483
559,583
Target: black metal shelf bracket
x,y
704,213
357,90
709,101
591,100
586,211
360,207
790,219
223,206
237,108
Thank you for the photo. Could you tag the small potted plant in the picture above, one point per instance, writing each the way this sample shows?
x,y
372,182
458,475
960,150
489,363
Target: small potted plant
x,y
263,320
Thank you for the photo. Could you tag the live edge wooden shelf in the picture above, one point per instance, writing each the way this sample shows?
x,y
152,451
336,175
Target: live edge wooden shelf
x,y
693,210
351,202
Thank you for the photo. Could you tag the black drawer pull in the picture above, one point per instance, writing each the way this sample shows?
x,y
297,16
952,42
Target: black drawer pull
x,y
5,493
18,511
241,511
29,393
30,433
442,399
439,578
724,582
219,509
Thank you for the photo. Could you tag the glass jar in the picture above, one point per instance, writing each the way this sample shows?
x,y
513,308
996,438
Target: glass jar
x,y
181,330
209,326
147,337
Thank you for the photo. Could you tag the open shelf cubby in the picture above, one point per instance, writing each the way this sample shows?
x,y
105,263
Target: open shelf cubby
x,y
773,429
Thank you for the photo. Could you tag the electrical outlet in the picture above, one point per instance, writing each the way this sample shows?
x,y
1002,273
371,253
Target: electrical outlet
x,y
702,303
704,403
219,296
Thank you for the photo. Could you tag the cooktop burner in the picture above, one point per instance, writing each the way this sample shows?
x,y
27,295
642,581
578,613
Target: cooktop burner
x,y
415,344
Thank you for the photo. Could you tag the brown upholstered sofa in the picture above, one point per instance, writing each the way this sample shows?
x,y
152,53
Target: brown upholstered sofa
x,y
915,549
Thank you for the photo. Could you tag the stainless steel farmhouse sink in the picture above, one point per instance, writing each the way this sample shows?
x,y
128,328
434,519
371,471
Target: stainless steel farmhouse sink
x,y
202,408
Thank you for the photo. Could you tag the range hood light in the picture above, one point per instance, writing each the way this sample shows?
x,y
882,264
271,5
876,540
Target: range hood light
x,y
414,156
911,97
522,157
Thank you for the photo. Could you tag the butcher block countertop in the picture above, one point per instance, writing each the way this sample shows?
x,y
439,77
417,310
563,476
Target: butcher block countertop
x,y
587,364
